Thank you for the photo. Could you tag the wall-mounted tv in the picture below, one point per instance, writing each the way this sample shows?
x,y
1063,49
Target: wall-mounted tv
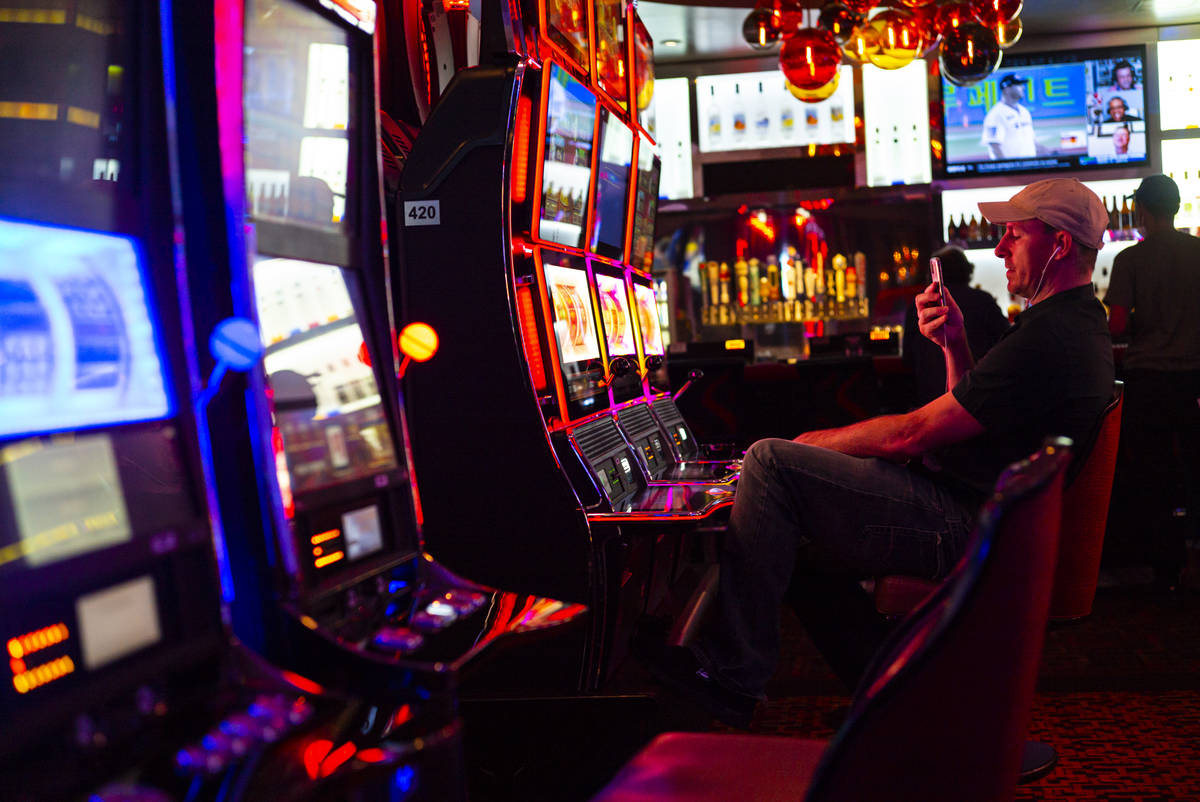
x,y
1062,110
610,206
566,159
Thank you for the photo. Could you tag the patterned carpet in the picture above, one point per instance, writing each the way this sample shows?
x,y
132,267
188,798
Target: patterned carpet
x,y
1119,698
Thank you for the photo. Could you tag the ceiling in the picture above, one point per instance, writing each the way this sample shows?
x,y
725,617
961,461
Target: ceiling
x,y
706,31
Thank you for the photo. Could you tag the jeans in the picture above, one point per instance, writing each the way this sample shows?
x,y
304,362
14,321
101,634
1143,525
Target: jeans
x,y
807,525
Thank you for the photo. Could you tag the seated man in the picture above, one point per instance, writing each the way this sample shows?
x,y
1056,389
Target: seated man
x,y
898,494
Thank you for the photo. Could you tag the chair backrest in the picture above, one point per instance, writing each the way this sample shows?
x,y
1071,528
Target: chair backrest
x,y
942,712
1085,515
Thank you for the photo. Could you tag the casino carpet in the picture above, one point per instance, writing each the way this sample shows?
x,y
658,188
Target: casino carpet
x,y
1118,697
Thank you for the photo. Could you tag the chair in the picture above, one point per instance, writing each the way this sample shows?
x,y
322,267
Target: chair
x,y
1085,514
970,651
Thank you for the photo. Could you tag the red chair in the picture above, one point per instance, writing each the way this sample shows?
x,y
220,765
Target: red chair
x,y
1085,515
970,652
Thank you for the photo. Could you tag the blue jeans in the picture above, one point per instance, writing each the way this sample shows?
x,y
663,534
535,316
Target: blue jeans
x,y
807,525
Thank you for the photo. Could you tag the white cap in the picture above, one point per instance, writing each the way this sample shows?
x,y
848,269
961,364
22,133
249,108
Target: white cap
x,y
1061,203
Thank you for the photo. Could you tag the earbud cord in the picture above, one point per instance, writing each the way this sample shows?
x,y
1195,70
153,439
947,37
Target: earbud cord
x,y
1030,299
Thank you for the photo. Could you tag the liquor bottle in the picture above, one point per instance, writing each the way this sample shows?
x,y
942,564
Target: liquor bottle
x,y
742,271
762,115
787,275
755,295
973,230
851,284
550,205
713,271
714,118
787,119
951,231
739,114
839,277
724,283
1126,219
773,278
810,281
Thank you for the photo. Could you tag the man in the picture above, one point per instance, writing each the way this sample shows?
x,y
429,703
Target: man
x,y
1120,140
1154,297
1123,76
813,517
1008,126
1118,110
982,317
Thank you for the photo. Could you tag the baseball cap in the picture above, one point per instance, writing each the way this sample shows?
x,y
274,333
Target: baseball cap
x,y
1061,203
1012,78
1158,193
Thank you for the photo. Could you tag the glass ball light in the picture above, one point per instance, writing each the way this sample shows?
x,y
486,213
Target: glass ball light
x,y
900,39
762,27
991,12
815,95
969,54
952,15
839,21
917,3
809,59
1008,33
858,47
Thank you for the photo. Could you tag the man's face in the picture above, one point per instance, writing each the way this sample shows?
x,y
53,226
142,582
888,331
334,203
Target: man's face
x,y
1014,93
1125,77
1116,108
1121,140
1025,248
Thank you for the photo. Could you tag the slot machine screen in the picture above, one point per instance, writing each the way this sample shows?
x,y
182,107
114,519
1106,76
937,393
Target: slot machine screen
x,y
567,159
66,110
78,344
575,332
614,315
643,76
645,207
610,206
647,312
612,69
328,411
297,115
566,26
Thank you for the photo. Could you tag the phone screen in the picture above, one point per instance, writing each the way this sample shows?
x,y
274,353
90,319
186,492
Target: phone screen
x,y
935,271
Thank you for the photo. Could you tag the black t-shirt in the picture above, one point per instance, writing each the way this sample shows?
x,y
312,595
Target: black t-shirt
x,y
1051,373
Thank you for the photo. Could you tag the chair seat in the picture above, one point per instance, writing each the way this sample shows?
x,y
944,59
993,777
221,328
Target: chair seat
x,y
898,595
706,767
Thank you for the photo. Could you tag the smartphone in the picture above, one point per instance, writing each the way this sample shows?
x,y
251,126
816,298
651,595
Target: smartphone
x,y
935,271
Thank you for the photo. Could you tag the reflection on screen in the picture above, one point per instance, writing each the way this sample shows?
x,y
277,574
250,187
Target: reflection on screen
x,y
117,621
362,532
63,98
647,310
643,76
1048,111
641,251
327,405
567,162
66,497
614,311
297,108
77,343
567,27
612,184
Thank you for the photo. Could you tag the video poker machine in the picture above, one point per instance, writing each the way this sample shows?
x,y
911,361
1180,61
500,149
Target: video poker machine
x,y
310,468
543,432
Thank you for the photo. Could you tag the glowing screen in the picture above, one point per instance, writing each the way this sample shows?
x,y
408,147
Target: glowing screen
x,y
567,159
78,346
362,532
574,326
647,309
614,311
117,621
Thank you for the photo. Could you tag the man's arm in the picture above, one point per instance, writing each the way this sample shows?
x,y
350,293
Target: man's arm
x,y
900,437
995,151
944,326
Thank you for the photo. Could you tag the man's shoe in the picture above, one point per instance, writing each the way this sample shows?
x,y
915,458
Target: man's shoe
x,y
678,669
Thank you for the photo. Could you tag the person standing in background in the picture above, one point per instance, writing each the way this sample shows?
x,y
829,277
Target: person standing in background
x,y
1154,298
982,318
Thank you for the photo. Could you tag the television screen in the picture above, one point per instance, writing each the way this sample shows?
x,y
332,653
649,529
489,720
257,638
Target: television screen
x,y
610,206
567,159
645,206
647,311
575,332
78,343
1049,111
297,112
327,405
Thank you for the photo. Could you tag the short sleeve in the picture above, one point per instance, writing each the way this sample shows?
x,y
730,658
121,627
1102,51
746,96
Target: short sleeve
x,y
1120,283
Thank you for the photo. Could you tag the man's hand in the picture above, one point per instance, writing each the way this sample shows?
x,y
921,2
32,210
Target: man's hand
x,y
943,325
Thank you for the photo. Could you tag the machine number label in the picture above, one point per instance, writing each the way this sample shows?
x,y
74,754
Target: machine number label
x,y
423,213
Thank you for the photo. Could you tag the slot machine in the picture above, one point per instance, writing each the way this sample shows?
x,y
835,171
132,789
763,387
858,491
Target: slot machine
x,y
310,468
523,233
123,680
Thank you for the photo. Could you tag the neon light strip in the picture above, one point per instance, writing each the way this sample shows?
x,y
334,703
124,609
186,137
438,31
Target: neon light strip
x,y
333,557
326,535
35,641
43,674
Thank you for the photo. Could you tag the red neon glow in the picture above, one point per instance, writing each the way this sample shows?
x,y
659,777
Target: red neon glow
x,y
372,755
456,5
303,683
763,227
533,352
314,753
364,356
282,477
17,666
418,341
402,716
741,245
337,757
520,161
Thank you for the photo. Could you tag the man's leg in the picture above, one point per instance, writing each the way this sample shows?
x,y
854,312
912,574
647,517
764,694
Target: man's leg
x,y
831,514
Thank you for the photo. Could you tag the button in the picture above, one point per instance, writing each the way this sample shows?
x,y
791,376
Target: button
x,y
398,639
